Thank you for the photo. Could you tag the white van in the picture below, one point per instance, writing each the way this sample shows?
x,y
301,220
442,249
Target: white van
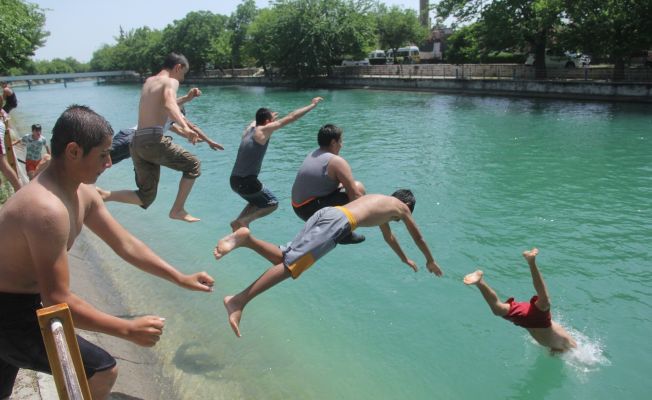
x,y
377,57
405,55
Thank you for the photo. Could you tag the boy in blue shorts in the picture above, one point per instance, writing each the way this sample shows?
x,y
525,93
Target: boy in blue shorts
x,y
320,235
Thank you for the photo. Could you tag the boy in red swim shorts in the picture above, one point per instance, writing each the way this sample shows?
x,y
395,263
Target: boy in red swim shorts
x,y
533,315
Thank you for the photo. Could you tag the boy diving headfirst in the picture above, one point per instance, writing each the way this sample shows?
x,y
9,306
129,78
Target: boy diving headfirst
x,y
320,235
533,315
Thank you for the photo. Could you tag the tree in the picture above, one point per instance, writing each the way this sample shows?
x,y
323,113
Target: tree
x,y
613,29
312,35
462,45
261,44
21,30
238,25
511,24
193,36
397,27
140,50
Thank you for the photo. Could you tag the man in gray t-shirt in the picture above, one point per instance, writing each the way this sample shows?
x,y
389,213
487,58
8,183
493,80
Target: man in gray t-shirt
x,y
325,179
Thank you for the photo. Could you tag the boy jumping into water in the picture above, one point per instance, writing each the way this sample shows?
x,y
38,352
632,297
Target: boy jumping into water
x,y
533,316
320,235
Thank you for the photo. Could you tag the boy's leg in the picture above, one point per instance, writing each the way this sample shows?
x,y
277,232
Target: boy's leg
x,y
100,383
543,302
178,210
242,238
235,304
8,374
250,214
497,307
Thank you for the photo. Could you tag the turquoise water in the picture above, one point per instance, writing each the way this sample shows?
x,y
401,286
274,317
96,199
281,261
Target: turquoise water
x,y
492,177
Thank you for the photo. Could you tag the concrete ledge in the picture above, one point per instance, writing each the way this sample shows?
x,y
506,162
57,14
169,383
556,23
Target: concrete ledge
x,y
578,90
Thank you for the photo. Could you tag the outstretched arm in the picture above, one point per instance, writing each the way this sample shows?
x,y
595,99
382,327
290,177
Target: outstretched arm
x,y
393,244
204,138
135,252
265,132
543,303
47,235
414,231
174,113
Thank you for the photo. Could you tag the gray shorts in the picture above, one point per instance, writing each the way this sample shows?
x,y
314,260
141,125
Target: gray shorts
x,y
319,235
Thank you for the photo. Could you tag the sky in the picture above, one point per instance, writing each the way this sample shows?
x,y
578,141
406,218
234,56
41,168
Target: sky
x,y
79,27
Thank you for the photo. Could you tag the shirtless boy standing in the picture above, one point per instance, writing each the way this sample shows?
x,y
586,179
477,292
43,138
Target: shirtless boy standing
x,y
320,235
38,226
534,316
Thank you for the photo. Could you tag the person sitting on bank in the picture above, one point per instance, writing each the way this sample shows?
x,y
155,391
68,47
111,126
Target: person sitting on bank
x,y
325,179
534,315
321,233
39,225
9,96
253,146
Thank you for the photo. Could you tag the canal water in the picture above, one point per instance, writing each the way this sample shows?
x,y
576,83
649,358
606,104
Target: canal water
x,y
492,176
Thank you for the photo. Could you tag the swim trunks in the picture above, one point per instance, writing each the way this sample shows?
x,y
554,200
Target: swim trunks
x,y
253,191
318,236
120,145
30,165
149,151
21,343
528,315
307,209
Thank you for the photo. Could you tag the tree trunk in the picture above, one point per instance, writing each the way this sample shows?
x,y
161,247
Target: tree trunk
x,y
619,70
540,60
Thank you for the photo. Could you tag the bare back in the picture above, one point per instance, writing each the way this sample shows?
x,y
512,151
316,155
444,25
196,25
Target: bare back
x,y
38,213
555,337
151,110
377,209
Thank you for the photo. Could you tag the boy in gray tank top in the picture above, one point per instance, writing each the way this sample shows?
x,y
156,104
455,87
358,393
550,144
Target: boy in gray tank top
x,y
244,177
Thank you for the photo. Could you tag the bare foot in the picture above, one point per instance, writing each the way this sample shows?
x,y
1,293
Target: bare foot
x,y
104,194
230,242
234,313
183,216
236,224
473,278
530,254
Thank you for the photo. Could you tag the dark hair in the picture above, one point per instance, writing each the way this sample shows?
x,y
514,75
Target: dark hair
x,y
407,197
262,115
173,59
327,133
81,125
36,127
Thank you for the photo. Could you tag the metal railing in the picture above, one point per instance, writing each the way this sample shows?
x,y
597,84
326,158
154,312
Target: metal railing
x,y
63,352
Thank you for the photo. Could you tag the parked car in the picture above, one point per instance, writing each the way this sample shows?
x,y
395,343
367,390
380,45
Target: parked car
x,y
567,59
352,63
641,59
377,57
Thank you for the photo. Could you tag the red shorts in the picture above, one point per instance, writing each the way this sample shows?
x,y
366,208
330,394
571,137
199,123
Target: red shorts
x,y
30,165
528,315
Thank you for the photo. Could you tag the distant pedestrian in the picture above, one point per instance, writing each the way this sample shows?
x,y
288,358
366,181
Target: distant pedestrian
x,y
5,135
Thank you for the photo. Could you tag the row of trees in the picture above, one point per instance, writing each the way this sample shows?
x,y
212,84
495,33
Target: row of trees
x,y
302,38
607,29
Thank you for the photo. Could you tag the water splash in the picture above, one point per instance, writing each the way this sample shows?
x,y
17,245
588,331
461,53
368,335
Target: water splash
x,y
589,356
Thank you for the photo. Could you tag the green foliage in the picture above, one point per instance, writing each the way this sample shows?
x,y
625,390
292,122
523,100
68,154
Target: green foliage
x,y
609,29
193,36
262,45
462,46
21,30
311,35
237,26
398,27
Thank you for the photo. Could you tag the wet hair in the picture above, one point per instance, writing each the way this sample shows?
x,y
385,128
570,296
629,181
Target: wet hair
x,y
81,125
407,197
262,115
36,127
173,59
327,133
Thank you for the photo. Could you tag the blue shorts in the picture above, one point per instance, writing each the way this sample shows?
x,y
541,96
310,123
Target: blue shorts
x,y
253,191
320,234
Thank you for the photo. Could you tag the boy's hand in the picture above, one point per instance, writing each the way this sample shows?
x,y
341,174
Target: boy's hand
x,y
412,264
434,268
